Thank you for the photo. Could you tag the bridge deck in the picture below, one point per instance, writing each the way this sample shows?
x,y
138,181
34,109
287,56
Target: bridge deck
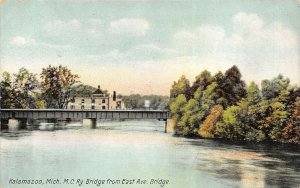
x,y
82,114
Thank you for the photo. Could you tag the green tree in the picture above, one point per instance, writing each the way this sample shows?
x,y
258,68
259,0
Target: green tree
x,y
253,95
208,128
56,85
220,93
18,91
233,125
82,90
272,88
189,123
180,87
233,87
202,81
177,111
7,91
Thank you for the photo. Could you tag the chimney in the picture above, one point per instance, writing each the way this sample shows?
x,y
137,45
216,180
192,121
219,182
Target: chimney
x,y
114,96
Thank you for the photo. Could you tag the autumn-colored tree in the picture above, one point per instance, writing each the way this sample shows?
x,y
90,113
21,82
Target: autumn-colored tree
x,y
291,133
208,127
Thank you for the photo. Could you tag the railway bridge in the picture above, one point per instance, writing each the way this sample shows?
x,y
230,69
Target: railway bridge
x,y
24,115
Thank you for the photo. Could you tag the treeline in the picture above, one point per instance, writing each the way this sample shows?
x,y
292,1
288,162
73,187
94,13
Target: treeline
x,y
25,90
83,90
137,101
222,106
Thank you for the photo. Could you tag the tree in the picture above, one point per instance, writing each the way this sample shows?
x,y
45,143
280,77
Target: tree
x,y
207,129
82,90
271,88
7,94
18,91
180,87
233,87
202,81
56,85
253,94
233,126
291,133
189,123
177,111
25,84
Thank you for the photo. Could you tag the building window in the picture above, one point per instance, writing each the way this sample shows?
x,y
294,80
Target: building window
x,y
103,100
103,107
93,103
82,103
72,103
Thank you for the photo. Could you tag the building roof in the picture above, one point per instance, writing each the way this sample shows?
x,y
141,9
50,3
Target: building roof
x,y
98,91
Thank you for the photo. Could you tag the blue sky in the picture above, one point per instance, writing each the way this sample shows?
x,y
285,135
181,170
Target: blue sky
x,y
143,46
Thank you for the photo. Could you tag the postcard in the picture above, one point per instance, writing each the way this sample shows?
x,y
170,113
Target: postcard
x,y
149,93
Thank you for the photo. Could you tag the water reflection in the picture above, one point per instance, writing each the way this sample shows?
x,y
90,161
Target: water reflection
x,y
258,165
141,149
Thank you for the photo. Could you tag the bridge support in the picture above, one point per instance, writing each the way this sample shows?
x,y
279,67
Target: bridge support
x,y
94,123
68,120
166,125
90,122
22,123
4,124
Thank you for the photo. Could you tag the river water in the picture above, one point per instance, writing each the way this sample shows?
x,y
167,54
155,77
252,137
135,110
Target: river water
x,y
137,151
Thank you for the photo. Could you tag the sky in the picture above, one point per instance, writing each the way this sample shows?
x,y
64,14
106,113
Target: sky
x,y
144,46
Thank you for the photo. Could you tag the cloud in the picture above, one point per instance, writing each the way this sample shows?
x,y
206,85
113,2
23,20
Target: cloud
x,y
258,48
21,41
202,39
129,27
62,27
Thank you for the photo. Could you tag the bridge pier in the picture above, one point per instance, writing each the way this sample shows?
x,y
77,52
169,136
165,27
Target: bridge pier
x,y
94,123
90,122
68,120
22,122
166,125
4,124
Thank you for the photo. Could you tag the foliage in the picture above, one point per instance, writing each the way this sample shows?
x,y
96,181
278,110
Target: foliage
x,y
233,125
7,94
82,90
202,81
180,87
18,91
177,111
271,88
207,129
56,84
291,133
222,107
233,87
191,118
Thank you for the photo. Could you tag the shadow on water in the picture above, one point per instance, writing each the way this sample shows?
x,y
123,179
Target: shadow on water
x,y
253,164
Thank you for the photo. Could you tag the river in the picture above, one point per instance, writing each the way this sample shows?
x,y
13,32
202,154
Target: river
x,y
137,151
